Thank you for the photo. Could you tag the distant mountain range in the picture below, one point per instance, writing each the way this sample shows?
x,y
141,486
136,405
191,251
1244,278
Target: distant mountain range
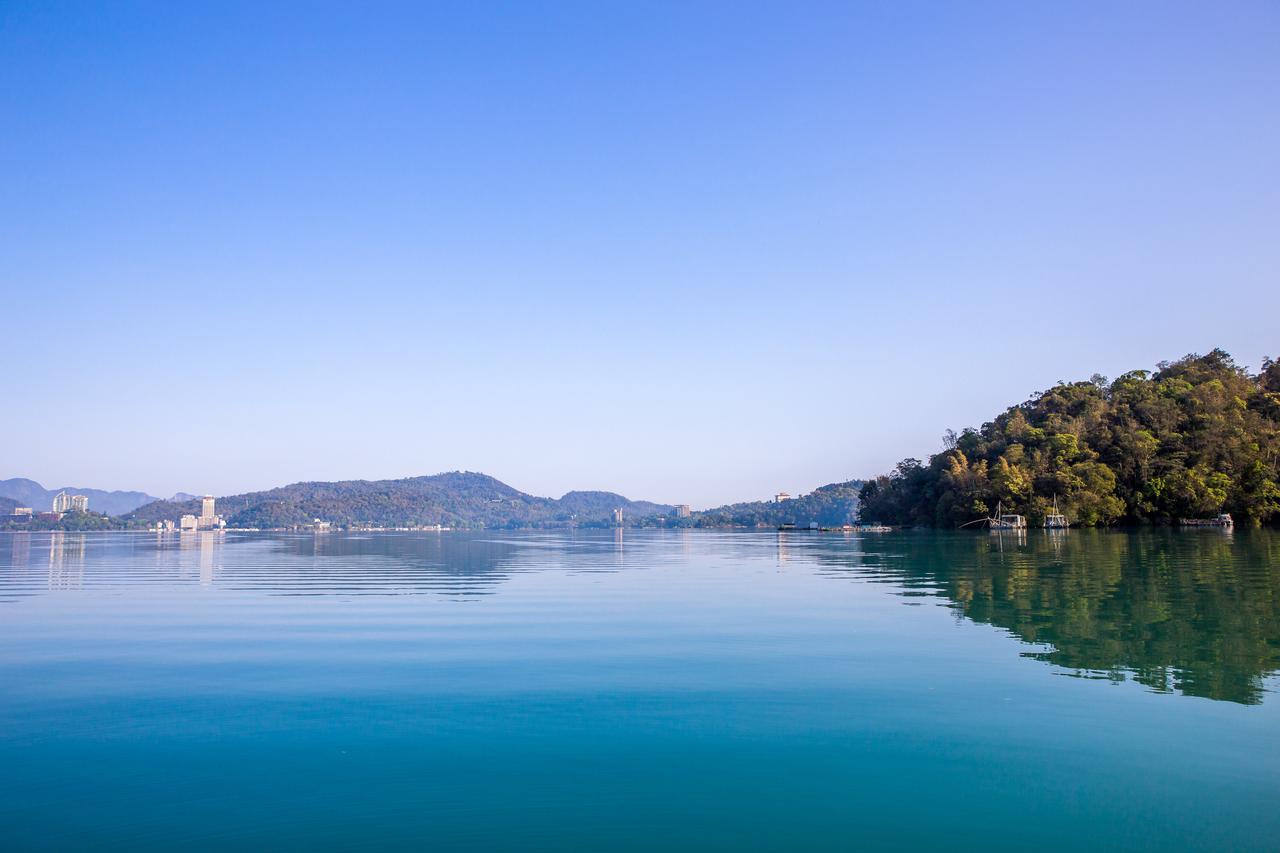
x,y
456,499
30,493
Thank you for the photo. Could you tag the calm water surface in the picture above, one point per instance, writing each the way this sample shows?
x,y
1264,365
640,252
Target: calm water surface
x,y
661,690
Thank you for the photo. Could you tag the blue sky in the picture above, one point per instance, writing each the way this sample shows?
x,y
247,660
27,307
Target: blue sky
x,y
688,252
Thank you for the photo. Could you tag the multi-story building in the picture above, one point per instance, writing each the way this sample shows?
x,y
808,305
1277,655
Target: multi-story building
x,y
63,502
682,511
209,518
781,496
189,522
617,516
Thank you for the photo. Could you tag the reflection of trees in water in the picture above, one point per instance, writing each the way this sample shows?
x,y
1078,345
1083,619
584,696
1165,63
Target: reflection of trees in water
x,y
1197,613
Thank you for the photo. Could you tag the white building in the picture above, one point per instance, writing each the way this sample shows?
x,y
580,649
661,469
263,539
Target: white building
x,y
617,516
781,496
189,522
682,511
209,519
63,502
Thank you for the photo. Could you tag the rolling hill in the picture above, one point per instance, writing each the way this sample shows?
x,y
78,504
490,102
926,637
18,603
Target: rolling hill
x,y
455,499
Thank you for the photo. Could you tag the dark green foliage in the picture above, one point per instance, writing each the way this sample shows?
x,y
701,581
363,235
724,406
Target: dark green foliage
x,y
829,506
1198,437
69,521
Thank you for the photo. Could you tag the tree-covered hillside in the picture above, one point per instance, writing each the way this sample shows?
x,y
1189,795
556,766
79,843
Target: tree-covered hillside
x,y
830,506
456,499
1196,437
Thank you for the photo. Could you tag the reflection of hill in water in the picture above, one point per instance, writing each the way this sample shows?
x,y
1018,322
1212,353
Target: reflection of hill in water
x,y
454,565
1193,612
406,564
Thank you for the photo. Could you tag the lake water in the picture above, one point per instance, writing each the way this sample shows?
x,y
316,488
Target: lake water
x,y
664,690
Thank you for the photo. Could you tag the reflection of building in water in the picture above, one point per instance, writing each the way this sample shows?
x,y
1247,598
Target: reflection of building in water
x,y
63,502
20,550
66,560
1015,538
204,562
207,544
784,552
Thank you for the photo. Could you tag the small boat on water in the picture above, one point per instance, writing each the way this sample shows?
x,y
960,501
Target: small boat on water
x,y
1055,520
1220,520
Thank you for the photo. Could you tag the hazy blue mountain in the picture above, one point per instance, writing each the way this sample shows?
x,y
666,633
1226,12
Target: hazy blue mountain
x,y
30,493
456,499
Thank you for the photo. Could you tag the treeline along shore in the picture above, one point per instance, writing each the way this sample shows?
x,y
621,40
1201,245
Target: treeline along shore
x,y
1194,438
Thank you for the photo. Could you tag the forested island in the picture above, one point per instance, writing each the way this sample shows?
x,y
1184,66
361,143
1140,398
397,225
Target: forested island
x,y
1196,437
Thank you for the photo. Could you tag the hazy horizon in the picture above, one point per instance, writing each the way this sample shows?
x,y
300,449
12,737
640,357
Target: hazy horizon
x,y
686,253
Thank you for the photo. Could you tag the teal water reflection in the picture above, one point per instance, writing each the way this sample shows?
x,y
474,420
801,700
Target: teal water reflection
x,y
640,690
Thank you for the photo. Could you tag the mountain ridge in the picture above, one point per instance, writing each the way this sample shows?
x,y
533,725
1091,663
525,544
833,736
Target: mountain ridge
x,y
30,493
453,499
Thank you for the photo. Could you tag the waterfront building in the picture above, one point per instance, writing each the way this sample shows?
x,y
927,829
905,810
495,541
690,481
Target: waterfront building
x,y
209,519
22,513
189,522
682,511
617,516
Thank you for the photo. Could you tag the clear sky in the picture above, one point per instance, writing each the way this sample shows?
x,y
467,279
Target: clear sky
x,y
692,252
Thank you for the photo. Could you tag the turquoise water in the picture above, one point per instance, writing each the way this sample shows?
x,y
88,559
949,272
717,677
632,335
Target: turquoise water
x,y
673,690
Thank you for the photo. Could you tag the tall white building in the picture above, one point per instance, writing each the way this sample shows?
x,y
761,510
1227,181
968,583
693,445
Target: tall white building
x,y
682,511
63,502
206,508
